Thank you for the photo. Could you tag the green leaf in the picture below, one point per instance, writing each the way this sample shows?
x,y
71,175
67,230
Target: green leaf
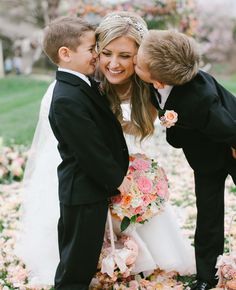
x,y
124,224
154,164
133,219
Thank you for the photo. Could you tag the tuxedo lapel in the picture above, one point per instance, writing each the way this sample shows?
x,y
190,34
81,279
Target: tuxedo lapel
x,y
99,99
153,98
170,103
91,92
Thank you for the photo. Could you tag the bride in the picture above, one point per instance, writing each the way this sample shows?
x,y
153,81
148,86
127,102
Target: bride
x,y
161,243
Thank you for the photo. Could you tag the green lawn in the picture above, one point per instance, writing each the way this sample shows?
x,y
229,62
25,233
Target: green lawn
x,y
19,106
230,85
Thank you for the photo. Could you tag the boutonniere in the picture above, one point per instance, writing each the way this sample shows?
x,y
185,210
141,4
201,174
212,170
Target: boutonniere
x,y
168,118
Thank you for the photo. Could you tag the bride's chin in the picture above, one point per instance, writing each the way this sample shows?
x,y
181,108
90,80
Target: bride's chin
x,y
114,80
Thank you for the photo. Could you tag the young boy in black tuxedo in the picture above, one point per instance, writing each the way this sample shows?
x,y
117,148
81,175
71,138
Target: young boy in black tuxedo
x,y
205,130
92,147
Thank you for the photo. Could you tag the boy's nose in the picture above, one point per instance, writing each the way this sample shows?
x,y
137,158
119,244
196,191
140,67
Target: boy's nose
x,y
95,54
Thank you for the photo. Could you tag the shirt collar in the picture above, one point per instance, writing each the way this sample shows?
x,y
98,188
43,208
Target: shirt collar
x,y
78,74
164,94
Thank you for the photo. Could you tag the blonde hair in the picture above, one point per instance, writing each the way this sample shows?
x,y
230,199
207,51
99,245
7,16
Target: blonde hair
x,y
112,26
63,31
172,57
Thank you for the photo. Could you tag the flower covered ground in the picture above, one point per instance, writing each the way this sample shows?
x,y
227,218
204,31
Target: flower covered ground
x,y
13,274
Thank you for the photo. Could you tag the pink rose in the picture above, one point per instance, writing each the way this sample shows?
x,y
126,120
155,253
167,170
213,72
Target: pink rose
x,y
147,199
141,164
169,119
171,116
162,188
137,174
138,210
144,184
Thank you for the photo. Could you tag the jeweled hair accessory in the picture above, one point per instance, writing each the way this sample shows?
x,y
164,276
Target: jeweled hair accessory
x,y
141,28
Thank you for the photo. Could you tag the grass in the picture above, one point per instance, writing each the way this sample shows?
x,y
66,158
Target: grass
x,y
20,98
230,85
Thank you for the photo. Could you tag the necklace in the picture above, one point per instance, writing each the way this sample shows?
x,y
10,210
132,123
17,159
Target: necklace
x,y
125,96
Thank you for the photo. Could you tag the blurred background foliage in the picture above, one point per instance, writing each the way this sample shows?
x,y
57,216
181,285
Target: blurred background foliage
x,y
212,23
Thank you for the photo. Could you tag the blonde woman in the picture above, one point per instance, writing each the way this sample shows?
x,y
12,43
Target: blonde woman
x,y
161,244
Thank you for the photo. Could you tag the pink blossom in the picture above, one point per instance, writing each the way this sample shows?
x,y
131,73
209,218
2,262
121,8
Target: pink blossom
x,y
162,188
136,174
147,199
16,169
138,210
144,184
18,274
20,161
141,164
133,285
139,219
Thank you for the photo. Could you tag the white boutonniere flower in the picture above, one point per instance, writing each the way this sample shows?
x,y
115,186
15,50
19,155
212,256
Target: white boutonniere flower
x,y
168,118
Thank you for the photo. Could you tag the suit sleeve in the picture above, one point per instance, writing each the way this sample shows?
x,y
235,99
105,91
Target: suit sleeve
x,y
83,137
215,121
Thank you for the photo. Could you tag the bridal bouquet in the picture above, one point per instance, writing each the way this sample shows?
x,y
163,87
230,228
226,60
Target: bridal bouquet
x,y
145,194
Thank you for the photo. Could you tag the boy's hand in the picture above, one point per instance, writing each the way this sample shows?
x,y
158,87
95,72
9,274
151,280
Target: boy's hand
x,y
233,152
125,185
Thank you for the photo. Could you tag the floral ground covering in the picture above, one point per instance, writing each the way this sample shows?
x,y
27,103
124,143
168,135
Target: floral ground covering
x,y
13,274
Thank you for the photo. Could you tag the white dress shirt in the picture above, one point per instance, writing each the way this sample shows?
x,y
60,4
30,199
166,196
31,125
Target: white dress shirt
x,y
78,74
164,95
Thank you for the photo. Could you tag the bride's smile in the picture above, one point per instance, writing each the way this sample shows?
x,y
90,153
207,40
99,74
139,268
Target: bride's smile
x,y
116,60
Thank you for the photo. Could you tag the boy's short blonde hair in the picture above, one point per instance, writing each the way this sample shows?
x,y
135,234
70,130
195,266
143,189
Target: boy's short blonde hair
x,y
63,31
172,57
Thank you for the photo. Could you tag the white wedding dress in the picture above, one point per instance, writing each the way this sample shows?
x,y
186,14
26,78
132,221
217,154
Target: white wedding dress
x,y
160,240
161,243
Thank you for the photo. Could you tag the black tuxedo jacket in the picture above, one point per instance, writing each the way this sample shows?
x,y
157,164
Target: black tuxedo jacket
x,y
206,126
90,141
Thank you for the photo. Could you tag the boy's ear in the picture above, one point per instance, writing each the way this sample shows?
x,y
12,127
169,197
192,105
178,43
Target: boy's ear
x,y
158,85
64,54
